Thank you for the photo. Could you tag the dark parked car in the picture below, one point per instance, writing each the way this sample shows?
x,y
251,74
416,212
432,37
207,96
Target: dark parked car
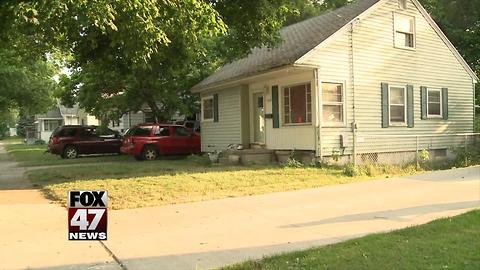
x,y
71,141
148,141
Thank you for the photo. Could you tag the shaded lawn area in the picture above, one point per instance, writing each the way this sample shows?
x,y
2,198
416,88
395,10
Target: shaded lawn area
x,y
34,155
451,243
141,184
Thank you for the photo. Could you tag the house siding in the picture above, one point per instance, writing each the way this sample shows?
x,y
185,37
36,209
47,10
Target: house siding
x,y
375,60
218,135
286,137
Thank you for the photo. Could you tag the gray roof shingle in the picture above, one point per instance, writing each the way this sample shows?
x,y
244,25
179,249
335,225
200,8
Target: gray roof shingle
x,y
297,40
53,113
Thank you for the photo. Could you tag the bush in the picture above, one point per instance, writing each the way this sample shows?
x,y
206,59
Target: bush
x,y
351,170
467,156
293,163
373,170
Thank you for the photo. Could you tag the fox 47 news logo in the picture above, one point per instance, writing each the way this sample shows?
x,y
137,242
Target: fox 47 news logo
x,y
87,215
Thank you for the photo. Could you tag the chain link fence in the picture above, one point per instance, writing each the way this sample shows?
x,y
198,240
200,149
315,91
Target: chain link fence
x,y
403,149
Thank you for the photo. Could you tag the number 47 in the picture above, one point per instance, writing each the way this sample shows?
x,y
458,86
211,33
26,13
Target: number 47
x,y
80,218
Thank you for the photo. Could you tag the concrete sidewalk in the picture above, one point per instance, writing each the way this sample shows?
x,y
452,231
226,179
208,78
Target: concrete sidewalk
x,y
214,233
33,231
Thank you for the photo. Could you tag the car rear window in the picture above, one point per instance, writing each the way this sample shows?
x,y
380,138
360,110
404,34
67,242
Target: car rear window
x,y
140,131
64,132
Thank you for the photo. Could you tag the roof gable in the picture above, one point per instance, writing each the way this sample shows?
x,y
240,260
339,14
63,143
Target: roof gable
x,y
297,40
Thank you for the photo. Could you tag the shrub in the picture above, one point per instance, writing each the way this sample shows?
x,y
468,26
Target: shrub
x,y
467,156
424,156
293,163
350,170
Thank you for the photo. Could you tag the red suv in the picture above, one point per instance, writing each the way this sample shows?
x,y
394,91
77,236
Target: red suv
x,y
148,141
71,141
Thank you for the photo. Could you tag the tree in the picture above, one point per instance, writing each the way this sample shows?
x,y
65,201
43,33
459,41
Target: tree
x,y
26,71
126,53
460,21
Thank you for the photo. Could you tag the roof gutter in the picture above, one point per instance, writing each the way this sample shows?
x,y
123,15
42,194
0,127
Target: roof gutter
x,y
253,77
223,84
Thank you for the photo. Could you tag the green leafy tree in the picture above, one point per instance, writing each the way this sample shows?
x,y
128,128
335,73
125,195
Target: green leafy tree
x,y
128,53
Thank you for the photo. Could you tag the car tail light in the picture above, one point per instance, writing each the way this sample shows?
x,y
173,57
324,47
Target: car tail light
x,y
55,139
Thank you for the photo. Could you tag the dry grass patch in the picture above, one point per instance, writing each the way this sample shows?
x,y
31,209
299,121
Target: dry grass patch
x,y
173,184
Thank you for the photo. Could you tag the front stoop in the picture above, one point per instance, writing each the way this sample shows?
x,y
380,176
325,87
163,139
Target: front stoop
x,y
264,156
248,156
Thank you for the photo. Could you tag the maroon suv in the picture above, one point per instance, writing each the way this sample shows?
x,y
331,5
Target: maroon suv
x,y
71,141
148,141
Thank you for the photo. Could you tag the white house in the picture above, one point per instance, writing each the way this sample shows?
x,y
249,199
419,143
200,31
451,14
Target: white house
x,y
46,123
371,67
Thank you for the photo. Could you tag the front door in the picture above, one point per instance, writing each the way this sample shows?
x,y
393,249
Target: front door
x,y
258,118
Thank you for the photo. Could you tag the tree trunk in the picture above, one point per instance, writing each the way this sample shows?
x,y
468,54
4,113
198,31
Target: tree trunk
x,y
155,110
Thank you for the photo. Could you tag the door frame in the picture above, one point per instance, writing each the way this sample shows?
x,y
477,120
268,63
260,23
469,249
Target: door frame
x,y
252,113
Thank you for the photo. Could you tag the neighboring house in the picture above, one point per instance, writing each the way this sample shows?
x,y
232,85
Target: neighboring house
x,y
129,120
46,123
381,64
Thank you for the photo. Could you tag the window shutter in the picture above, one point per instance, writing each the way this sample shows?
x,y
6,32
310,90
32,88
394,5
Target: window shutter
x,y
423,97
275,114
445,103
410,107
385,111
215,107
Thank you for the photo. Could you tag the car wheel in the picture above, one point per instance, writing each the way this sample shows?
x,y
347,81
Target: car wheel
x,y
149,153
70,152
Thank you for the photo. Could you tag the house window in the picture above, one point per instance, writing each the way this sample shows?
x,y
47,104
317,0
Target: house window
x,y
402,4
434,103
333,102
297,104
207,108
51,125
397,105
404,31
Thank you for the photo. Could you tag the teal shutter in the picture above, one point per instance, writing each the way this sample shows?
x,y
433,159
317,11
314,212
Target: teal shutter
x,y
215,107
410,107
445,103
275,114
385,111
423,98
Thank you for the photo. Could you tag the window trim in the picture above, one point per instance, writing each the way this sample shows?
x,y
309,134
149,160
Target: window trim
x,y
397,124
282,103
46,123
395,15
344,101
202,109
441,103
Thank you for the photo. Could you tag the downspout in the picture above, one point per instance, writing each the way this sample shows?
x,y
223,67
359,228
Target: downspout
x,y
317,132
352,78
474,105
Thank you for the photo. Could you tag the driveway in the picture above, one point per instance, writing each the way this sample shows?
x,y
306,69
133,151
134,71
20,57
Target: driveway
x,y
214,233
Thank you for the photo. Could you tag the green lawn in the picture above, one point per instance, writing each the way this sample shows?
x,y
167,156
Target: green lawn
x,y
170,181
451,243
176,181
34,155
